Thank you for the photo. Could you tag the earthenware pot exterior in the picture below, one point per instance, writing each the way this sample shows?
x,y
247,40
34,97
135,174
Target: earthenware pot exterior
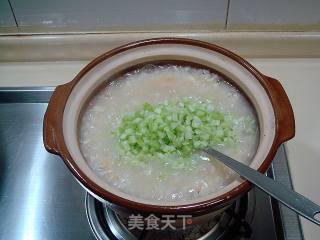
x,y
274,110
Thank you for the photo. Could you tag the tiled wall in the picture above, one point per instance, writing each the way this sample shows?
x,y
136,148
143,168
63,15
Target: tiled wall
x,y
121,14
274,14
91,15
6,15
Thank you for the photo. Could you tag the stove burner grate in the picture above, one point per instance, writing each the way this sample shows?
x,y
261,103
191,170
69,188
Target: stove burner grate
x,y
234,223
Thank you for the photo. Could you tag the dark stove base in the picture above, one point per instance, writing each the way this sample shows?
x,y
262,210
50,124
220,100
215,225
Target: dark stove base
x,y
235,223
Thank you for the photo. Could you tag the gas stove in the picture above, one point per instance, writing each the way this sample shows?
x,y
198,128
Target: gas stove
x,y
40,199
233,223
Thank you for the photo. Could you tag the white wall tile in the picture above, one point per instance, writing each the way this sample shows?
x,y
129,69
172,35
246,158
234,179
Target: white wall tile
x,y
122,14
6,16
274,14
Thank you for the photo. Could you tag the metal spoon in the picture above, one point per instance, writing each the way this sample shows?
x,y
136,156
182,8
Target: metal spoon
x,y
285,195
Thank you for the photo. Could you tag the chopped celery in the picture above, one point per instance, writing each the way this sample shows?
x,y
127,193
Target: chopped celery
x,y
174,128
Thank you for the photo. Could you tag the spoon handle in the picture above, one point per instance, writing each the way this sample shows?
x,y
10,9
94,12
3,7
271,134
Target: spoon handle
x,y
285,195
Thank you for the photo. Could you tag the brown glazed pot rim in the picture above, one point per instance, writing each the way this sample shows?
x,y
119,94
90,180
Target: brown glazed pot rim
x,y
54,140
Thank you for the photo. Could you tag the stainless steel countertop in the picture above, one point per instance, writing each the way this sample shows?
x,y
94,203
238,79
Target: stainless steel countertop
x,y
39,197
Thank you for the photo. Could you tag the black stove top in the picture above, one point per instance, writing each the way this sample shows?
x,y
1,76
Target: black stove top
x,y
40,199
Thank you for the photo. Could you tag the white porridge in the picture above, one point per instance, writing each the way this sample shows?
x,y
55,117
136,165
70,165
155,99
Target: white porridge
x,y
154,178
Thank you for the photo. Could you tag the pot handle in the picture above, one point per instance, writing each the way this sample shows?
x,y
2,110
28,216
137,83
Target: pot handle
x,y
52,123
283,111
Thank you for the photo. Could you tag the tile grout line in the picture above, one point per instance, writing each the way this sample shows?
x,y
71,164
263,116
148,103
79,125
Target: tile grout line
x,y
14,16
227,16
